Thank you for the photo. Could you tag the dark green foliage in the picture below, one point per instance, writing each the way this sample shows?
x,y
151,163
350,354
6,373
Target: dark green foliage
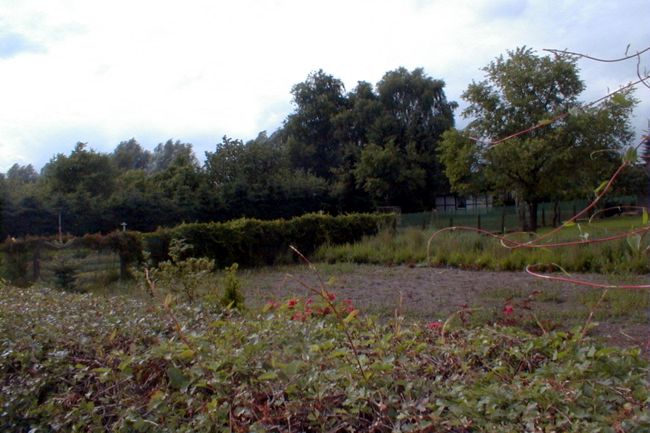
x,y
16,262
65,275
251,242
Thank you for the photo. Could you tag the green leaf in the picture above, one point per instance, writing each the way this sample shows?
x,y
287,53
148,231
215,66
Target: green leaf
x,y
351,316
186,354
630,156
544,122
601,187
177,379
271,375
634,242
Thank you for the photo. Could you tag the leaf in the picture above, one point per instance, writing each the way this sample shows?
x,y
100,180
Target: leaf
x,y
186,355
630,156
601,187
271,375
351,316
634,242
544,122
177,379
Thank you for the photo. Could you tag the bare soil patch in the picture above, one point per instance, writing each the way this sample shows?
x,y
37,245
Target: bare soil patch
x,y
428,294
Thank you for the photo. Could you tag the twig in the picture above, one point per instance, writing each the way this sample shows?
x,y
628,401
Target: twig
x,y
558,52
323,294
591,313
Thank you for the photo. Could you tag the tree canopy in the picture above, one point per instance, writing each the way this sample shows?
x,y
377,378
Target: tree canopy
x,y
388,144
529,134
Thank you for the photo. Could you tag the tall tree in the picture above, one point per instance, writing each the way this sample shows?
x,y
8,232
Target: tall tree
x,y
524,90
352,127
129,155
311,140
414,114
255,179
164,155
78,185
21,174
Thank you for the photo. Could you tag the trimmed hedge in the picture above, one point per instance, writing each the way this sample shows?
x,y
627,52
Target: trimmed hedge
x,y
252,242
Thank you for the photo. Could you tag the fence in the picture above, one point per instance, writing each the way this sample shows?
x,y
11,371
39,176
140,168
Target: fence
x,y
497,219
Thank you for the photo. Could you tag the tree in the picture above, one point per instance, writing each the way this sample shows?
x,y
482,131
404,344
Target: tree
x,y
18,174
351,128
414,112
521,91
130,155
79,185
389,175
165,154
84,171
311,142
255,180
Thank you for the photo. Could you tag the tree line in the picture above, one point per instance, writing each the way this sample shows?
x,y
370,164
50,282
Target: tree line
x,y
388,144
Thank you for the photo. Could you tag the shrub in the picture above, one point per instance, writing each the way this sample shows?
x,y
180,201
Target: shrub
x,y
232,296
182,273
65,275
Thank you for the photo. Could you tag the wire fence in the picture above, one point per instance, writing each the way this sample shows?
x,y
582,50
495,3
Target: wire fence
x,y
502,218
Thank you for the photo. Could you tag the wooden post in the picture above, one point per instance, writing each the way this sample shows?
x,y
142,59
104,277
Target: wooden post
x,y
124,272
543,217
478,221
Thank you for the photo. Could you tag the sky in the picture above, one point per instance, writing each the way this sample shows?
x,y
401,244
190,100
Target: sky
x,y
102,72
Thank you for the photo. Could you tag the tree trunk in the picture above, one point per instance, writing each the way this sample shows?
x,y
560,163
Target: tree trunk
x,y
556,214
521,213
532,216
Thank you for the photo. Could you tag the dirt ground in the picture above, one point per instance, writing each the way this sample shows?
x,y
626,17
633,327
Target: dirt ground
x,y
424,293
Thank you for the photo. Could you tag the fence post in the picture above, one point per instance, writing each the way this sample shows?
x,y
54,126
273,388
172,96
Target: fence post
x,y
478,221
543,216
451,221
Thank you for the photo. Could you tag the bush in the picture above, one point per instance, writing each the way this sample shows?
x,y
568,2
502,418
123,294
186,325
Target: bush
x,y
65,275
232,296
16,262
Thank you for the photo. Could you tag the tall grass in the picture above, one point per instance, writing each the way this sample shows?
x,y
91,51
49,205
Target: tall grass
x,y
472,251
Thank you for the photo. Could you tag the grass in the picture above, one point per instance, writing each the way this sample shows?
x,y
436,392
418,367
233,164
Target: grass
x,y
473,251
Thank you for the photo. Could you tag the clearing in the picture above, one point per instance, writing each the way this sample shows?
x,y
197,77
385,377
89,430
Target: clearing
x,y
435,293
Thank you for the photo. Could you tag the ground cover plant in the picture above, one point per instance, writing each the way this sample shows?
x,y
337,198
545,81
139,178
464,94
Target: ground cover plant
x,y
81,362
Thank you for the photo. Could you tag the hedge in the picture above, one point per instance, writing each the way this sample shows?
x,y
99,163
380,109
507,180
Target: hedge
x,y
248,242
252,242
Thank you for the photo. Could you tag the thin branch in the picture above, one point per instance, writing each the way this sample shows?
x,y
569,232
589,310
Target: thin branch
x,y
557,52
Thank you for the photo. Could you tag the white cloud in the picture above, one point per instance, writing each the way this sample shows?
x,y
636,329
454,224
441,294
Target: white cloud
x,y
108,71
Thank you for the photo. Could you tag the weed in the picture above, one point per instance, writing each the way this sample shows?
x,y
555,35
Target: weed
x,y
232,296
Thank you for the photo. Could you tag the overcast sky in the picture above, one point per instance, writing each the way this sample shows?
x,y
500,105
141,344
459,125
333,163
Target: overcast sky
x,y
105,71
